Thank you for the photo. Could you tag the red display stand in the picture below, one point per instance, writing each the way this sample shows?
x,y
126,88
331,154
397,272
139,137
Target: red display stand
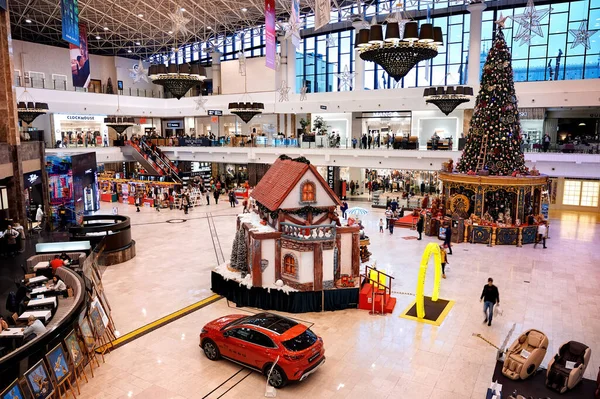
x,y
131,200
109,197
148,202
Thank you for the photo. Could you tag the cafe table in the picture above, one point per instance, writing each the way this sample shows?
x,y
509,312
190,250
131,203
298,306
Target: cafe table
x,y
39,290
50,301
41,265
37,279
11,333
38,314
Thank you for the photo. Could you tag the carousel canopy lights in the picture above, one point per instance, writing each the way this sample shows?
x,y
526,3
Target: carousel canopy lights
x,y
31,110
177,79
120,124
448,98
246,111
398,55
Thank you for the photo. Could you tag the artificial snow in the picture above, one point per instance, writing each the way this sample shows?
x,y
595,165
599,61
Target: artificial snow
x,y
253,219
227,274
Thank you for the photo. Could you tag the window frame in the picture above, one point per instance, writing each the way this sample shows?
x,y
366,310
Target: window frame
x,y
305,185
284,271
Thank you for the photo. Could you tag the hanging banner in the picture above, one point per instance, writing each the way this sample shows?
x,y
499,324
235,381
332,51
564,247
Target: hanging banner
x,y
322,13
295,17
80,63
69,11
271,45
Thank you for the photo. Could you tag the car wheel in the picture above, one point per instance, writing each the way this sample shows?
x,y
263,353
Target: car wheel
x,y
277,378
211,350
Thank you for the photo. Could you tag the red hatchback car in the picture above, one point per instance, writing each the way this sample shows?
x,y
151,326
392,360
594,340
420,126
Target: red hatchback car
x,y
256,341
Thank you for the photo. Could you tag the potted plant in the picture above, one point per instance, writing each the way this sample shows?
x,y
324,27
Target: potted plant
x,y
304,124
320,126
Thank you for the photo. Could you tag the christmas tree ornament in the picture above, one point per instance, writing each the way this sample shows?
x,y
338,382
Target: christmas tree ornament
x,y
200,103
138,73
582,36
345,79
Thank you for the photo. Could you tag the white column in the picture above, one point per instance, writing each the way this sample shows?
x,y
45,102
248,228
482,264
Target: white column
x,y
216,71
473,71
359,65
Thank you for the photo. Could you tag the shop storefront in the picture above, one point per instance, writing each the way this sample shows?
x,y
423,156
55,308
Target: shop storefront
x,y
173,127
79,130
387,128
337,129
532,126
573,129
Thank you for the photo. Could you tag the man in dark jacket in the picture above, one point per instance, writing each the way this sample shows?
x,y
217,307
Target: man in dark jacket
x,y
420,224
490,297
448,238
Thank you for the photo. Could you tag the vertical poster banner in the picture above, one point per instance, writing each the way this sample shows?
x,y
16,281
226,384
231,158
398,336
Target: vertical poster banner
x,y
80,62
69,10
295,17
322,13
271,45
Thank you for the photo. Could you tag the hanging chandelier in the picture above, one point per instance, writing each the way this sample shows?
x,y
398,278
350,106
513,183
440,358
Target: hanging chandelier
x,y
119,123
398,55
177,79
246,111
448,98
29,111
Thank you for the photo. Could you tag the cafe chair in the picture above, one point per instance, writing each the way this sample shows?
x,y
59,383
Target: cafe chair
x,y
525,355
566,369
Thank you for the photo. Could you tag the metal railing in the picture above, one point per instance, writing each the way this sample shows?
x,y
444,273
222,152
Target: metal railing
x,y
308,233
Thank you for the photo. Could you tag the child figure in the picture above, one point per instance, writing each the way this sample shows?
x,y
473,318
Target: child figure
x,y
444,259
381,225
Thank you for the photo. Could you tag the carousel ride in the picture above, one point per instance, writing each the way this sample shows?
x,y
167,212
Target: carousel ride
x,y
491,196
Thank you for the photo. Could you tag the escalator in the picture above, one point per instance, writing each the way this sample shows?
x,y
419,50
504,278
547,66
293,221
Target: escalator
x,y
163,162
134,151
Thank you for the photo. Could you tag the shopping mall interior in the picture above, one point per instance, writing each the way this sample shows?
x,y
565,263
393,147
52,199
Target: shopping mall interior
x,y
322,199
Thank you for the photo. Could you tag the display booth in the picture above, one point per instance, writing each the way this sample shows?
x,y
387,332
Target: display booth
x,y
73,186
126,190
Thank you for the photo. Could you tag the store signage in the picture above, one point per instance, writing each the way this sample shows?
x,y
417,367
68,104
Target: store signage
x,y
81,118
215,112
386,114
270,43
330,176
532,113
323,106
69,11
32,178
174,124
88,171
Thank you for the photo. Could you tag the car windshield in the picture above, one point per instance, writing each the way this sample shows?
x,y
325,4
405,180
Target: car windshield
x,y
271,322
301,342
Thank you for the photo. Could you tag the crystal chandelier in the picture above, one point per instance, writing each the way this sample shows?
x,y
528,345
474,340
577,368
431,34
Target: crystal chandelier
x,y
119,123
246,110
29,110
398,55
448,98
177,79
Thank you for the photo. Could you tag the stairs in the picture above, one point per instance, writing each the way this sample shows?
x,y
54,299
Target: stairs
x,y
365,299
154,163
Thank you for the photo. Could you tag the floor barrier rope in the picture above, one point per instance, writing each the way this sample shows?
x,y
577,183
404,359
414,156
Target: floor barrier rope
x,y
484,339
403,293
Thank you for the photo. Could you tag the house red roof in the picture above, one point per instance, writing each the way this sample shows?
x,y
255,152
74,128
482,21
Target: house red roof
x,y
279,181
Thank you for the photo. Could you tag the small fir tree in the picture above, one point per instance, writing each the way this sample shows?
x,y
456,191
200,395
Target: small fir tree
x,y
109,87
495,129
239,253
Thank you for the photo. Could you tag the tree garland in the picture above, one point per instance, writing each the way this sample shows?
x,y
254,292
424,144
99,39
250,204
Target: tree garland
x,y
304,211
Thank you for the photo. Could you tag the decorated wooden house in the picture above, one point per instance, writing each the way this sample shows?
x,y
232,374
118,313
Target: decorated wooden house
x,y
294,234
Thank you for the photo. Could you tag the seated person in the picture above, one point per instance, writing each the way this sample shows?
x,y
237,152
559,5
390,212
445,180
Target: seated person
x,y
57,285
34,327
56,263
65,258
3,324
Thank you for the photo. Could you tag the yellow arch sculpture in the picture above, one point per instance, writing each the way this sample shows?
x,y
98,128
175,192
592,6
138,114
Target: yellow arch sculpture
x,y
430,249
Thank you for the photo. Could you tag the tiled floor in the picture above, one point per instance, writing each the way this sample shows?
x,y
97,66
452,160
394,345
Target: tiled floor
x,y
554,290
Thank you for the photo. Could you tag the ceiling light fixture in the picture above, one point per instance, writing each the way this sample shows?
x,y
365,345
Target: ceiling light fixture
x,y
177,79
119,123
129,51
448,98
28,110
98,38
105,28
138,43
28,20
244,9
183,9
209,27
395,54
245,109
141,15
170,32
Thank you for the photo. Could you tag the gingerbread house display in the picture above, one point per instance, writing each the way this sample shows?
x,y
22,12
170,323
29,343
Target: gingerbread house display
x,y
292,238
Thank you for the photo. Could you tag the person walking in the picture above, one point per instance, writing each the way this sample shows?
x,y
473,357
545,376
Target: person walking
x,y
364,141
542,231
216,196
448,238
420,223
207,196
11,240
490,297
231,196
381,225
185,203
546,142
444,258
388,216
392,221
370,141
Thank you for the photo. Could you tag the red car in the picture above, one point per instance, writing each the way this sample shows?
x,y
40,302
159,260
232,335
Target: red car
x,y
256,341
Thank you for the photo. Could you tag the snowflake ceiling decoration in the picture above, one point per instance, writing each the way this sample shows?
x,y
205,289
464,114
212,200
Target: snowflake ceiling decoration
x,y
284,92
529,23
582,36
138,73
200,103
345,79
303,92
292,29
179,22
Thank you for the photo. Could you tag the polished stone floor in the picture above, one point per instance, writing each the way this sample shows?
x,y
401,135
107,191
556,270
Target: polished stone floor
x,y
554,290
